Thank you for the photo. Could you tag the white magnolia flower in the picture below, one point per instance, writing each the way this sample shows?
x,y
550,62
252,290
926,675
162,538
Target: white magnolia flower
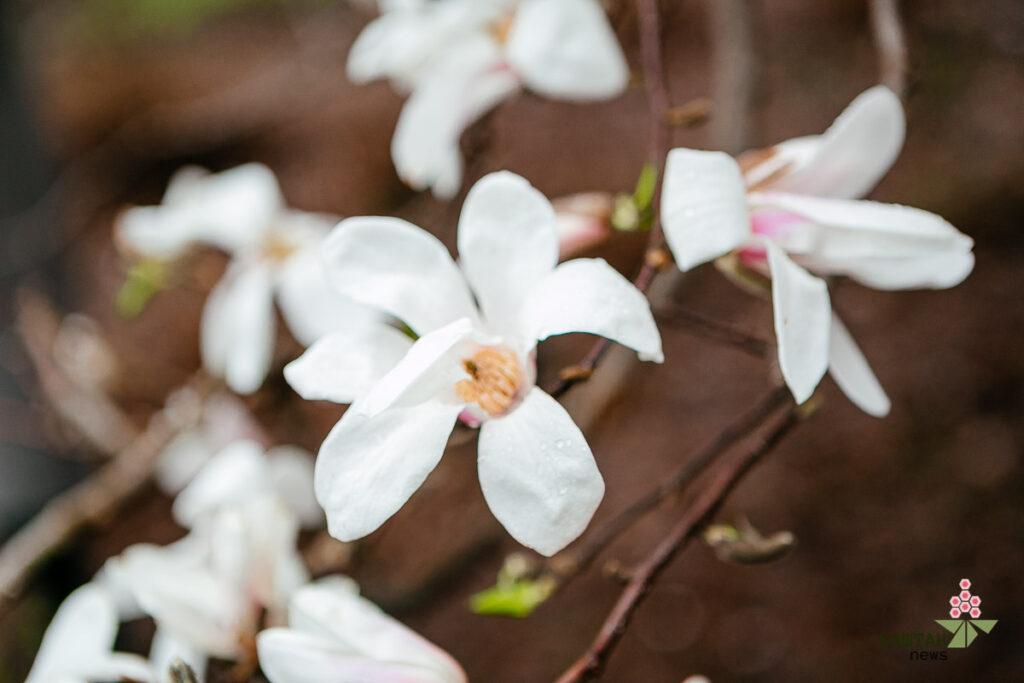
x,y
223,419
789,210
78,644
478,324
460,58
336,635
244,471
207,591
273,252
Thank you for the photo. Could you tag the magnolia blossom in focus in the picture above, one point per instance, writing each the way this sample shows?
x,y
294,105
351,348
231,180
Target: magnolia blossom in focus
x,y
78,645
460,58
336,635
790,210
478,324
273,253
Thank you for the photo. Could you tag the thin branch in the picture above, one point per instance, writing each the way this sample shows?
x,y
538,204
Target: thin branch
x,y
565,566
658,106
590,664
890,43
733,69
714,330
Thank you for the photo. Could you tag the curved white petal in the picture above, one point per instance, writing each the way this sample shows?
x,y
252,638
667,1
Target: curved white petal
x,y
802,321
288,656
291,474
887,246
237,331
232,476
507,244
538,475
166,648
566,49
237,208
703,206
588,295
850,370
157,232
344,365
369,466
850,158
333,610
429,370
462,85
82,631
396,267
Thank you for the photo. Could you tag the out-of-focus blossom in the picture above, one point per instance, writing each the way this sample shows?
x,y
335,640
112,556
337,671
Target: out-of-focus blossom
x,y
222,420
208,591
273,253
243,471
460,58
336,635
78,644
478,324
788,211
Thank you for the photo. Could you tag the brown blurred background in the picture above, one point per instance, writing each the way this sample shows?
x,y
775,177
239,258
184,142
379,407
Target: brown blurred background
x,y
103,99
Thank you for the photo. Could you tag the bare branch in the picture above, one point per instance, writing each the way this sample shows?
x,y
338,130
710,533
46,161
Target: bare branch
x,y
733,72
890,43
714,330
590,664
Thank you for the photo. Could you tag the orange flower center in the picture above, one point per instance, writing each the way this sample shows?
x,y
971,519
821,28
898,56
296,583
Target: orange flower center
x,y
495,380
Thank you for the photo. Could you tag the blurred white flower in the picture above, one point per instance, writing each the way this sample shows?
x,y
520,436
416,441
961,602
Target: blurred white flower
x,y
243,471
207,592
222,420
78,645
336,635
789,210
583,221
273,252
478,324
460,58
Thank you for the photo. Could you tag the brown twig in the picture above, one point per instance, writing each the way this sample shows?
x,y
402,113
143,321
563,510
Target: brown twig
x,y
733,69
590,664
717,331
890,43
658,105
566,565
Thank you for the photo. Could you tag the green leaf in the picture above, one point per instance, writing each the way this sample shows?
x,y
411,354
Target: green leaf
x,y
144,280
985,625
512,598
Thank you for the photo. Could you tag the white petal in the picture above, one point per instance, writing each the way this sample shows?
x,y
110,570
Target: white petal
x,y
463,84
802,320
851,157
429,370
567,49
157,232
398,268
230,477
703,206
82,630
507,244
288,656
166,648
237,332
538,474
291,471
344,365
886,246
238,207
588,295
332,609
850,370
368,467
